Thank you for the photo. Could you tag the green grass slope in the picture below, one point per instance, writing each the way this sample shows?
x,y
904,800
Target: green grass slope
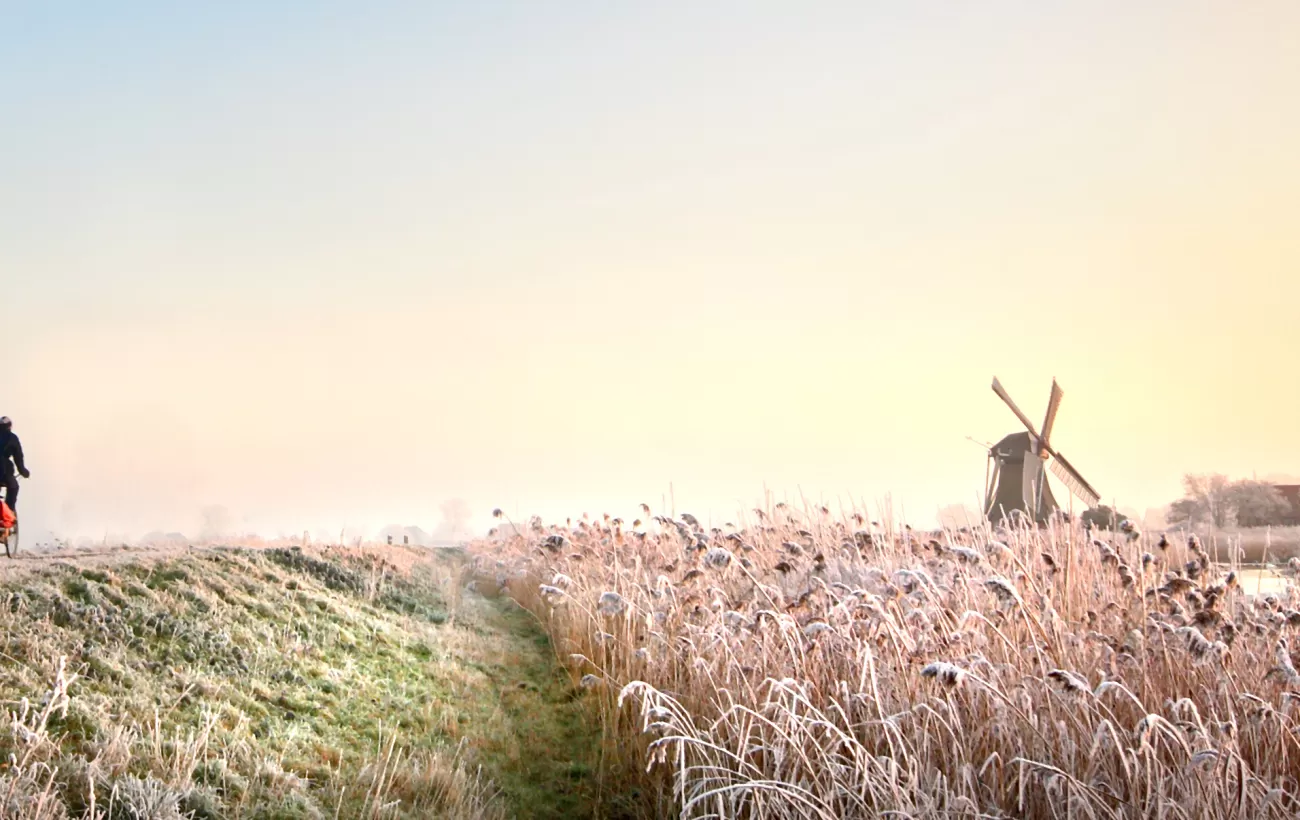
x,y
231,683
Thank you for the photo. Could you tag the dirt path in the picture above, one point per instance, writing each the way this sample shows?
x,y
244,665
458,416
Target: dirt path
x,y
548,746
31,559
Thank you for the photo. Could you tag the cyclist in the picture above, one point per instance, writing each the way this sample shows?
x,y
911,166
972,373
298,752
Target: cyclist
x,y
11,456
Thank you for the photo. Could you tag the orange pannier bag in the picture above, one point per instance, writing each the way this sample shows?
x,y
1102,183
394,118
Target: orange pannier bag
x,y
7,517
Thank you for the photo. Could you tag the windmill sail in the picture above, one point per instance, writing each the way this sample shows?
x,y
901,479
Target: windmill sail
x,y
1053,405
1070,478
1006,397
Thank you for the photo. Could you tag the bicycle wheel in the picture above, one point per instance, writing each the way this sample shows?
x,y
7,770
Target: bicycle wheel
x,y
11,541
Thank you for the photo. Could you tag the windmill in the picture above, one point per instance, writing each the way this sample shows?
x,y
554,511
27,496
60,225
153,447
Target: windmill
x,y
1017,480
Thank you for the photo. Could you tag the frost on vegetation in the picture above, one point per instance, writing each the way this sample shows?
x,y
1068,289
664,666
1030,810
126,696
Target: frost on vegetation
x,y
717,558
553,595
1069,683
816,628
1004,590
611,604
1285,667
735,620
948,674
201,677
860,672
144,799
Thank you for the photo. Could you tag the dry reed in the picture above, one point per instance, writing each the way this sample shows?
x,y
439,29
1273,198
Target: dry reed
x,y
801,665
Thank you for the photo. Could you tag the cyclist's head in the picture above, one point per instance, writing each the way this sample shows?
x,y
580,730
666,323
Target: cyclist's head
x,y
6,424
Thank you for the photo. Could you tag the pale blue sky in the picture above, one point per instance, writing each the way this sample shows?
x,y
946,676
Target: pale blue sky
x,y
713,243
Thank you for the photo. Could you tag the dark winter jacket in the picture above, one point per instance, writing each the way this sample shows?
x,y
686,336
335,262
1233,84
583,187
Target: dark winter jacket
x,y
11,454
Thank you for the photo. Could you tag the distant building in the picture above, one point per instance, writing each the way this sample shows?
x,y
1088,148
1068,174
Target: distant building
x,y
1291,492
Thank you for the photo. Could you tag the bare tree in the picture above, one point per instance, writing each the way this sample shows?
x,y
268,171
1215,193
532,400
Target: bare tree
x,y
1185,512
455,520
1257,504
218,522
1210,493
1215,500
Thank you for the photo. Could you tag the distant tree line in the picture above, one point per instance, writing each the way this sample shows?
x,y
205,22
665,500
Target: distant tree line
x,y
1218,501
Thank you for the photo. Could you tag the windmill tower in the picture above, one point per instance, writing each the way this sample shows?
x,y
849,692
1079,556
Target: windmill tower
x,y
1017,479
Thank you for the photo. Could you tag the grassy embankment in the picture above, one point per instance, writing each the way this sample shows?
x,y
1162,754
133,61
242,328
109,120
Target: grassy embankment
x,y
281,684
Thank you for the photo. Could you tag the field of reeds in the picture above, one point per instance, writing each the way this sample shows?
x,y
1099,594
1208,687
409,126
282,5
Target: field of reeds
x,y
797,663
278,683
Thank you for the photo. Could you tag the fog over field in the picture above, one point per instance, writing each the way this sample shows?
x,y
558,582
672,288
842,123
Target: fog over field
x,y
623,253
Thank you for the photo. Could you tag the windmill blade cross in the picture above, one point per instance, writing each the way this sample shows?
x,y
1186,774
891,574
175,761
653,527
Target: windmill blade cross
x,y
1006,397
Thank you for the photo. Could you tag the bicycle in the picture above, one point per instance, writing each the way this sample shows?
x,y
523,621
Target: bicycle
x,y
9,534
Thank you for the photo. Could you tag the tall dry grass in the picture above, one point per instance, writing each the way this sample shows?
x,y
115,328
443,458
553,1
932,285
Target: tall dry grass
x,y
800,664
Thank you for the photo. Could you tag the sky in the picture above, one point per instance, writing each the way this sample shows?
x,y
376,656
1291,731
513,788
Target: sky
x,y
338,265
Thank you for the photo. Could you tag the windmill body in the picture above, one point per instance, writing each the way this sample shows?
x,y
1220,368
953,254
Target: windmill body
x,y
1018,464
1019,481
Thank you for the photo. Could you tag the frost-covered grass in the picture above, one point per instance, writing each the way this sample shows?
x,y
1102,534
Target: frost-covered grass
x,y
283,683
802,664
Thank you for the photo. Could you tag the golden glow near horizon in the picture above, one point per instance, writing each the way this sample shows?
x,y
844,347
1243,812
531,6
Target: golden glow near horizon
x,y
558,261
